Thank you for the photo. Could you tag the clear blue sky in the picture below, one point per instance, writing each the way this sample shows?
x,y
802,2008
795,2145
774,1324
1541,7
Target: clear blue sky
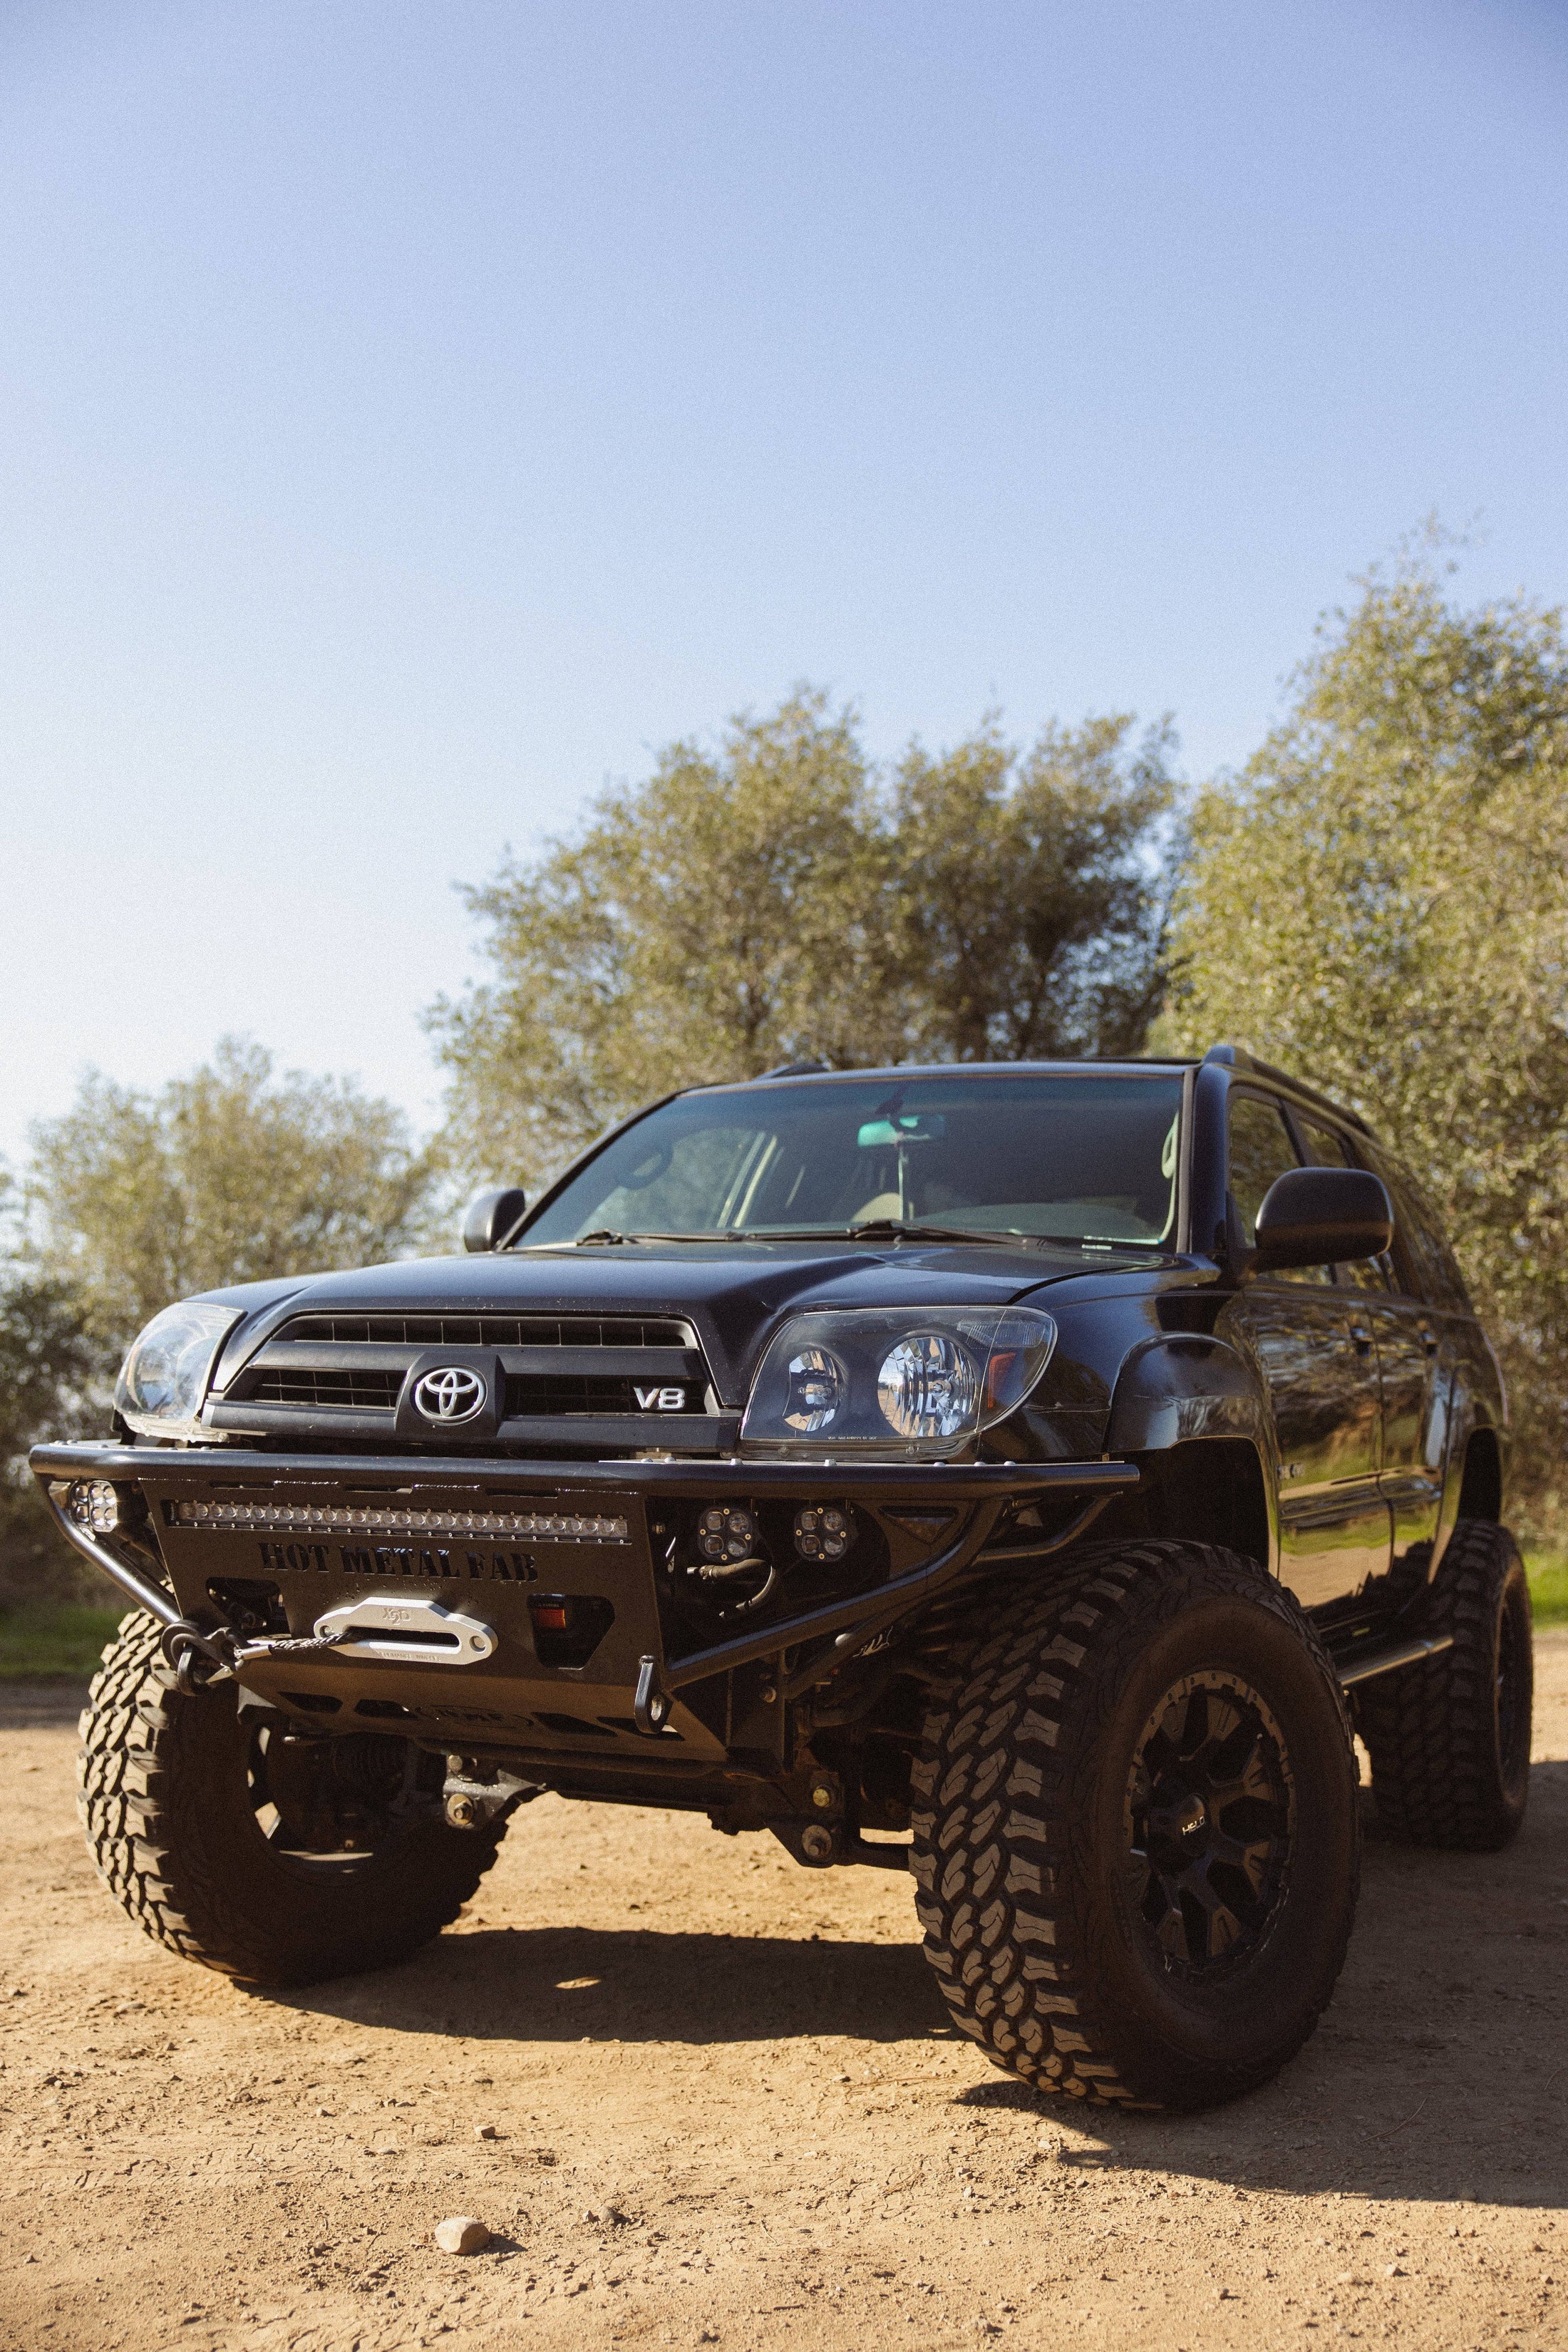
x,y
412,414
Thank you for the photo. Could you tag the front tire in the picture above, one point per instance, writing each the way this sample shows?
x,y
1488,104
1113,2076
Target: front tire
x,y
1136,1831
1449,1740
275,1860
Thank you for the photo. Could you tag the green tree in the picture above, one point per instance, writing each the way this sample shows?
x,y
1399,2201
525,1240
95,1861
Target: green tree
x,y
225,1176
713,921
779,899
49,1371
1380,901
1029,906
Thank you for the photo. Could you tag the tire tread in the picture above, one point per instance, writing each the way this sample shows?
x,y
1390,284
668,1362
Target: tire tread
x,y
145,1834
998,1752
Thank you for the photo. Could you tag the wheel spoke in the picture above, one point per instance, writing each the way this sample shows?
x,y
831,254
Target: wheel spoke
x,y
1252,1860
1171,1932
1208,1818
1195,1725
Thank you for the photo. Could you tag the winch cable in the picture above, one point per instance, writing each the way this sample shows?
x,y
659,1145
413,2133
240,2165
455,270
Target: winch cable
x,y
291,1645
200,1659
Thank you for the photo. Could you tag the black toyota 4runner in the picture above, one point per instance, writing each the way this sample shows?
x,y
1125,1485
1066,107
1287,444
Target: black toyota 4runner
x,y
1024,1475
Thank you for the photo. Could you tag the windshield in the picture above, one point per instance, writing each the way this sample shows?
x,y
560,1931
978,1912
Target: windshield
x,y
1083,1159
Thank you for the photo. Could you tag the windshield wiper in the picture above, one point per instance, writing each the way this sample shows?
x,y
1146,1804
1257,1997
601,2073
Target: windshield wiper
x,y
875,1229
883,1229
607,1234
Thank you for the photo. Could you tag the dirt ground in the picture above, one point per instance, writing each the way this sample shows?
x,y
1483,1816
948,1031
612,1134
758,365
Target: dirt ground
x,y
703,2096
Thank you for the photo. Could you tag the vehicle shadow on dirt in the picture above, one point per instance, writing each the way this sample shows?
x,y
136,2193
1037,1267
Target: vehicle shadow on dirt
x,y
1439,2070
644,1985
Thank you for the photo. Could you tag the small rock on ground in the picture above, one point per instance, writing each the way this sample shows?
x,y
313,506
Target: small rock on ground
x,y
461,2235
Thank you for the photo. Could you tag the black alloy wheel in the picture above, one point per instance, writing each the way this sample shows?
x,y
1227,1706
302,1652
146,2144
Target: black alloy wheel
x,y
1137,1830
1210,1818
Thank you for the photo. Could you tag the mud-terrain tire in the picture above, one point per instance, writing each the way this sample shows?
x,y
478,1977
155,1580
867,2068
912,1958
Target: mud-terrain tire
x,y
1075,1898
170,1807
1450,1739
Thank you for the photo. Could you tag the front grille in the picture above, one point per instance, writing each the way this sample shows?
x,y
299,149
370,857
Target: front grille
x,y
564,1373
490,1331
356,1391
531,1394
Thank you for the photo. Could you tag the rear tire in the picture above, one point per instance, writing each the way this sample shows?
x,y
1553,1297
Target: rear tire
x,y
1136,1831
1449,1740
280,1863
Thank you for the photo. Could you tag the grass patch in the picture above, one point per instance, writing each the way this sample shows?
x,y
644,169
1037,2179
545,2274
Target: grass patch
x,y
53,1640
1548,1574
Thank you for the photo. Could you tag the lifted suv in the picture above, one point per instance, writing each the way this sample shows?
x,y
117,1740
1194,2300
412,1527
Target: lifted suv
x,y
1022,1475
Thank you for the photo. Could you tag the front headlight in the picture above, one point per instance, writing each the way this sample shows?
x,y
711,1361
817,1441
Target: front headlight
x,y
893,1381
164,1379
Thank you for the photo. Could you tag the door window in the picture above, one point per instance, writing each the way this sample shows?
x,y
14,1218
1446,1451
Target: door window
x,y
1322,1388
1422,1257
1326,1148
1260,1150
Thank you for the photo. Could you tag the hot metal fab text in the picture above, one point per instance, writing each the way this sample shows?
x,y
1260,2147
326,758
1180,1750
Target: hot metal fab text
x,y
400,1559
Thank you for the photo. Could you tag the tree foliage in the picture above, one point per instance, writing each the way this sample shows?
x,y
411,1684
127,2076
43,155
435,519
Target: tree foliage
x,y
1027,917
225,1176
1379,901
780,899
48,1373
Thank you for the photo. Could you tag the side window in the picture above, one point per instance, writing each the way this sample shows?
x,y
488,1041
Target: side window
x,y
1431,1271
1261,1149
1454,1292
1325,1147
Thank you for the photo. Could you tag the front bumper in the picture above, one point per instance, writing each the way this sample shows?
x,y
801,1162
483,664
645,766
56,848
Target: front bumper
x,y
500,1539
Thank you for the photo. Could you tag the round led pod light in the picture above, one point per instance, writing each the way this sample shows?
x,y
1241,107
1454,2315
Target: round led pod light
x,y
822,1531
726,1531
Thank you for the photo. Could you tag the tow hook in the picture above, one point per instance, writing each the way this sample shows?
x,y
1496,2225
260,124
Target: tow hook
x,y
650,1705
201,1659
470,1803
198,1659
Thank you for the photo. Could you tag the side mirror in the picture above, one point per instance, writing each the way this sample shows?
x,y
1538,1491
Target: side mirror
x,y
492,1219
1320,1216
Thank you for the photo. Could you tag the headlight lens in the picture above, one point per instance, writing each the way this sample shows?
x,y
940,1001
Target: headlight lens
x,y
164,1378
893,1381
929,1386
816,1387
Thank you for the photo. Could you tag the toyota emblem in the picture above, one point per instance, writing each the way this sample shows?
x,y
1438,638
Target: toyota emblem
x,y
449,1393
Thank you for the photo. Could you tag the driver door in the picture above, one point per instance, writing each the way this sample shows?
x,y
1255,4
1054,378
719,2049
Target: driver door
x,y
1318,1357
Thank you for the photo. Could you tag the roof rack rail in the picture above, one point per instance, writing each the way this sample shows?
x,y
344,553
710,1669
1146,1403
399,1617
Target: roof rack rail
x,y
1238,1058
797,1070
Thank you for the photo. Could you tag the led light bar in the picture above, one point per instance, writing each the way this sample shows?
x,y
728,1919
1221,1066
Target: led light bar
x,y
334,1518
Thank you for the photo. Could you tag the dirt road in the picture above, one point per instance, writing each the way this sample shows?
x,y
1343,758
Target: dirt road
x,y
721,2105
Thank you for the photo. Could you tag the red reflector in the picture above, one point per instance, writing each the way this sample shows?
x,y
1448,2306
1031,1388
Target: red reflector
x,y
550,1616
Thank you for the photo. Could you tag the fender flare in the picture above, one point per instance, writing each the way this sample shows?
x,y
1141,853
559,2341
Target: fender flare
x,y
1183,1386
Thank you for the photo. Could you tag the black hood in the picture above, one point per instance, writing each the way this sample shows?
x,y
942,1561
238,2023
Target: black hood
x,y
735,1294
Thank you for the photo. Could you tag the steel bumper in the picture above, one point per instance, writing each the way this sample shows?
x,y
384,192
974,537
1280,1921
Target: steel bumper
x,y
493,1537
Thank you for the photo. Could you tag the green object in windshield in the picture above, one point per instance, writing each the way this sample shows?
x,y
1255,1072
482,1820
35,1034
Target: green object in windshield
x,y
899,1130
1086,1159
